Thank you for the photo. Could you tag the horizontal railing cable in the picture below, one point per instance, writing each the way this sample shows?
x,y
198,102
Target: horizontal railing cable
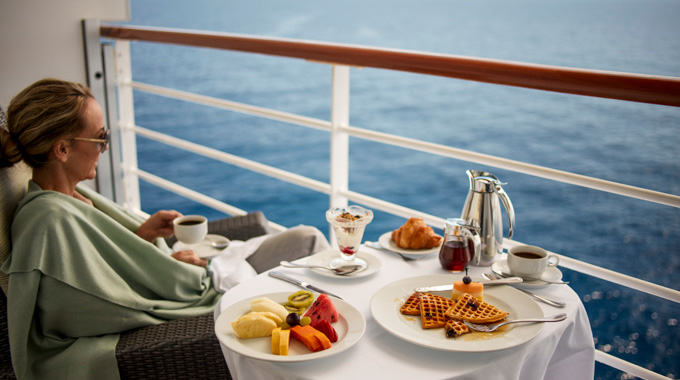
x,y
233,106
627,367
518,166
235,160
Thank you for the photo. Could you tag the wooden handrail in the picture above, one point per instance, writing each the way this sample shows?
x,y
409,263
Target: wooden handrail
x,y
604,84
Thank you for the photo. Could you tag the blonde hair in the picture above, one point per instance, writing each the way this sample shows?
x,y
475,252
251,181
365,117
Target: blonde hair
x,y
46,111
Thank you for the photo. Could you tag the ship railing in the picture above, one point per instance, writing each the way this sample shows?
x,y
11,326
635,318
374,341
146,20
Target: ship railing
x,y
110,77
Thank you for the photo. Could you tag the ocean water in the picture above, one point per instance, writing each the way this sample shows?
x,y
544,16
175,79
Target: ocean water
x,y
635,144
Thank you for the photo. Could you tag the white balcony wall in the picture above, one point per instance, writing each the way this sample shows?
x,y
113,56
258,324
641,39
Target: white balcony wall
x,y
43,38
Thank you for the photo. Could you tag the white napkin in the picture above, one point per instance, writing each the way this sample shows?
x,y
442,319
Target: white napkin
x,y
231,268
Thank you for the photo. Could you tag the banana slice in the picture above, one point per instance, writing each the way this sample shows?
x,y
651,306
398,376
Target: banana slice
x,y
266,304
269,315
253,326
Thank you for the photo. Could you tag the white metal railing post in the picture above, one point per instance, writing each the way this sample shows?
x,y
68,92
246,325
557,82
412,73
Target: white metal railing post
x,y
339,160
95,71
127,121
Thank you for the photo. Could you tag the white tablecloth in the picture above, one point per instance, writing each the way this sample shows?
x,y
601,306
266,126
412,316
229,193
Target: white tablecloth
x,y
563,350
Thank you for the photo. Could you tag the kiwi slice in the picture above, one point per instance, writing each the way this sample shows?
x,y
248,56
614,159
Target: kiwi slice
x,y
301,298
294,309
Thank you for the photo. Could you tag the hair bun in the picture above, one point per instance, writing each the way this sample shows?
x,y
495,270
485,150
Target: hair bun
x,y
10,153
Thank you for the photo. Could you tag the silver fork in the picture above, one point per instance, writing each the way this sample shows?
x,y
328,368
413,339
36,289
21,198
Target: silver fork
x,y
379,247
494,327
530,294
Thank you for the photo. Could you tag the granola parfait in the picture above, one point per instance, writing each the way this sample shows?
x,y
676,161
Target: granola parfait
x,y
349,224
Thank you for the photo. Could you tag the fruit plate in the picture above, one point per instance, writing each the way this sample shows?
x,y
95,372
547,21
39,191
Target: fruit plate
x,y
386,302
386,241
350,329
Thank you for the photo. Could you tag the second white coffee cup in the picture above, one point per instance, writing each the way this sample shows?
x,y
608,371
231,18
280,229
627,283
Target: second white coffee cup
x,y
190,229
530,261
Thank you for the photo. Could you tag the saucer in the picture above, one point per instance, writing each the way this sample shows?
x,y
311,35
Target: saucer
x,y
550,274
204,249
325,257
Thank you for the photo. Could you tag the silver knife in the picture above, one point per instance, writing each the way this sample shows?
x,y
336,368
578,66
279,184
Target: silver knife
x,y
440,288
302,284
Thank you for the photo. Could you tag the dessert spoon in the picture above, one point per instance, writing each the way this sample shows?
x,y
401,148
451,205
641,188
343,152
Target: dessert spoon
x,y
494,327
342,270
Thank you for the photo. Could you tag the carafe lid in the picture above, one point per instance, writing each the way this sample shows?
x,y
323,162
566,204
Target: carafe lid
x,y
483,182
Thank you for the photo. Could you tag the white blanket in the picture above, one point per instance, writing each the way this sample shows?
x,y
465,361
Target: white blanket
x,y
231,268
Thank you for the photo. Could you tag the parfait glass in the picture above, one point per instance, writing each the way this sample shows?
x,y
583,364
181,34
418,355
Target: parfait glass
x,y
349,224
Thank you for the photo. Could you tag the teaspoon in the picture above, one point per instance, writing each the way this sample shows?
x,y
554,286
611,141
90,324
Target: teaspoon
x,y
219,244
342,270
530,294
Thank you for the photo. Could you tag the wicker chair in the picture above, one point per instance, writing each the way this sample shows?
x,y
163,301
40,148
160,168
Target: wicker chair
x,y
180,349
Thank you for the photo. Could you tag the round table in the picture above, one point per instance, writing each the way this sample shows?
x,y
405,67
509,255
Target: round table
x,y
562,350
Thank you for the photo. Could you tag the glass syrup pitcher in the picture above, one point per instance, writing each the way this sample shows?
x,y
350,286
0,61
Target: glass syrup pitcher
x,y
460,246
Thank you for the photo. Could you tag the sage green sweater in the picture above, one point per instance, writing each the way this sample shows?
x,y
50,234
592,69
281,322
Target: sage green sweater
x,y
79,275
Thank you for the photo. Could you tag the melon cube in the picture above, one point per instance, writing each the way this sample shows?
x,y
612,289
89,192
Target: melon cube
x,y
276,341
284,341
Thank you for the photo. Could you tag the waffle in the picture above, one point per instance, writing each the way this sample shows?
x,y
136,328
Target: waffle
x,y
432,308
412,305
470,309
454,328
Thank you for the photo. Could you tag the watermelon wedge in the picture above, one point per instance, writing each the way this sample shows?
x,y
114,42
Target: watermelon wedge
x,y
322,309
327,330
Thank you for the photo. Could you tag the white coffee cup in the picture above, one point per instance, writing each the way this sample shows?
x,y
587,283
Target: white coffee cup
x,y
190,229
530,261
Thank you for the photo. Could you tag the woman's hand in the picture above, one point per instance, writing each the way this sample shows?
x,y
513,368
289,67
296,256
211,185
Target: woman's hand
x,y
189,257
158,225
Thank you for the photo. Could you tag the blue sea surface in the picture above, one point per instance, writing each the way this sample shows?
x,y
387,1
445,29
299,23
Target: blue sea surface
x,y
630,143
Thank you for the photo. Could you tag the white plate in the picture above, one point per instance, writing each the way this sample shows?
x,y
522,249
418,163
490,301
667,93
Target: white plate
x,y
325,257
386,241
550,274
350,329
386,302
204,249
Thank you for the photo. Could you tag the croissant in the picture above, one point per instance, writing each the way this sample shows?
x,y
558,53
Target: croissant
x,y
415,234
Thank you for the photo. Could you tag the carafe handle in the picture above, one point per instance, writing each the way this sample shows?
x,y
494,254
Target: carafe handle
x,y
508,208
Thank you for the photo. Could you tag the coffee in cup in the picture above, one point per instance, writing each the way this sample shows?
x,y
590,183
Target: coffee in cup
x,y
190,229
530,261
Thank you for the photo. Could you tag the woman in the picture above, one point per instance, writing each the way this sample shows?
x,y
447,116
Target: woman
x,y
82,269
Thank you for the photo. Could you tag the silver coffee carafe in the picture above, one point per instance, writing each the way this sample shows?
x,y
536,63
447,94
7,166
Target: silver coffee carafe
x,y
483,211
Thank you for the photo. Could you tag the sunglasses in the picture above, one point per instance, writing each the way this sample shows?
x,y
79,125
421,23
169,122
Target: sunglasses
x,y
103,141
